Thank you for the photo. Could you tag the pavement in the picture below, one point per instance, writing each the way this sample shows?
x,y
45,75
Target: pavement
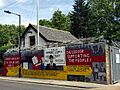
x,y
65,83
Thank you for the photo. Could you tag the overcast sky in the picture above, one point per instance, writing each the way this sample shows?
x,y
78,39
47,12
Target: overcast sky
x,y
27,9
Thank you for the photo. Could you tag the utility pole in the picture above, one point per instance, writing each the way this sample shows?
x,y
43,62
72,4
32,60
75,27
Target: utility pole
x,y
37,8
19,37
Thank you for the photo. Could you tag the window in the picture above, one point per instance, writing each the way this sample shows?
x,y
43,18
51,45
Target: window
x,y
32,40
23,42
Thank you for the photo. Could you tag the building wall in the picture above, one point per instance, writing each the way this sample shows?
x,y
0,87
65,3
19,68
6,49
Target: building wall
x,y
31,32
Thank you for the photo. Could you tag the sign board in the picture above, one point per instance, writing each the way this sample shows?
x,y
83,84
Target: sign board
x,y
25,65
34,60
117,58
58,54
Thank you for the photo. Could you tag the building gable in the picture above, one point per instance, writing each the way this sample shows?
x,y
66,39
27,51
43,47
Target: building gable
x,y
28,30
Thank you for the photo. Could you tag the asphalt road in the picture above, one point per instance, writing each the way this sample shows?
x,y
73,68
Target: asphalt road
x,y
12,85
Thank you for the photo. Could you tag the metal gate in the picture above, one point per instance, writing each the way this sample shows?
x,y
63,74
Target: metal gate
x,y
115,64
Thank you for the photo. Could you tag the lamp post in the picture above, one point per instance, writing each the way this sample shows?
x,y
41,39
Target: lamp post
x,y
38,37
19,42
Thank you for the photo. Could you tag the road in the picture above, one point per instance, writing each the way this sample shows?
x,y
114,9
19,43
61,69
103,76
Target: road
x,y
15,85
12,85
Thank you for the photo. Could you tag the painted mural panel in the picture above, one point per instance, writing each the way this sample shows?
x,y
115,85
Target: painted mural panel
x,y
75,63
58,54
53,62
45,74
92,56
11,65
33,60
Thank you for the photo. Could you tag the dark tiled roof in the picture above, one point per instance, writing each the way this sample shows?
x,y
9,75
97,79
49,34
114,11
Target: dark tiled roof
x,y
51,34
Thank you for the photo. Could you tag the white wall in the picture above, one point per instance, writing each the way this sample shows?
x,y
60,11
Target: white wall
x,y
27,41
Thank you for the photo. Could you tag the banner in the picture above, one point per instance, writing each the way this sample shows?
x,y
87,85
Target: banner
x,y
78,57
58,74
78,70
58,54
11,66
47,74
85,54
12,61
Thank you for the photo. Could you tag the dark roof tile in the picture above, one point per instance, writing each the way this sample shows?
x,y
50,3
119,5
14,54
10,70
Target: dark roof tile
x,y
51,34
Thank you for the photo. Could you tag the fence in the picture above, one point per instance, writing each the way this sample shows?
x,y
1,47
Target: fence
x,y
85,62
115,64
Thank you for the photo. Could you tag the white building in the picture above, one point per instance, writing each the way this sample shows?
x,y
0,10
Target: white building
x,y
48,37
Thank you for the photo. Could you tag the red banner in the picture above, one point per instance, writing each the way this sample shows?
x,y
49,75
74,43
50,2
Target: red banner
x,y
12,61
82,57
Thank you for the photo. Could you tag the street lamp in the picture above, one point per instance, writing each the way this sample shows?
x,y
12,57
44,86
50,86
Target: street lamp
x,y
9,12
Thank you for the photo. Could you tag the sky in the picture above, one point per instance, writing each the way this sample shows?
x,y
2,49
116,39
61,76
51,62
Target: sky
x,y
27,10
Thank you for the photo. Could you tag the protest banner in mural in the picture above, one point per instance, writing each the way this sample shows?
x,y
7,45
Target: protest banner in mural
x,y
47,74
11,65
85,55
58,54
33,60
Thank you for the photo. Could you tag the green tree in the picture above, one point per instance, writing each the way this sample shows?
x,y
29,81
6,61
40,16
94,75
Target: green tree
x,y
45,22
8,37
104,15
59,20
80,19
117,19
67,22
9,33
2,50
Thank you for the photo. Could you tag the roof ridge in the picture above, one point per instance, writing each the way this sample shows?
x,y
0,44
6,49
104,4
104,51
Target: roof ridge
x,y
54,29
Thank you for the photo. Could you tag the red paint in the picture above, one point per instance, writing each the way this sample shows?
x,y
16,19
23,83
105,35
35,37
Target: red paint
x,y
82,57
37,67
12,61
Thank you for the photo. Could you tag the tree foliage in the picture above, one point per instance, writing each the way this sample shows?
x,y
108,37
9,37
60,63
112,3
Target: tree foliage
x,y
80,19
9,33
45,22
3,49
117,19
90,18
105,15
59,21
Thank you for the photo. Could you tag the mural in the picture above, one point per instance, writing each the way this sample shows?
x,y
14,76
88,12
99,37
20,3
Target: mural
x,y
91,55
33,60
74,63
11,64
54,58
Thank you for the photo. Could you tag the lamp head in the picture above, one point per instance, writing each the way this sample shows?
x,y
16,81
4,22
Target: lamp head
x,y
7,12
